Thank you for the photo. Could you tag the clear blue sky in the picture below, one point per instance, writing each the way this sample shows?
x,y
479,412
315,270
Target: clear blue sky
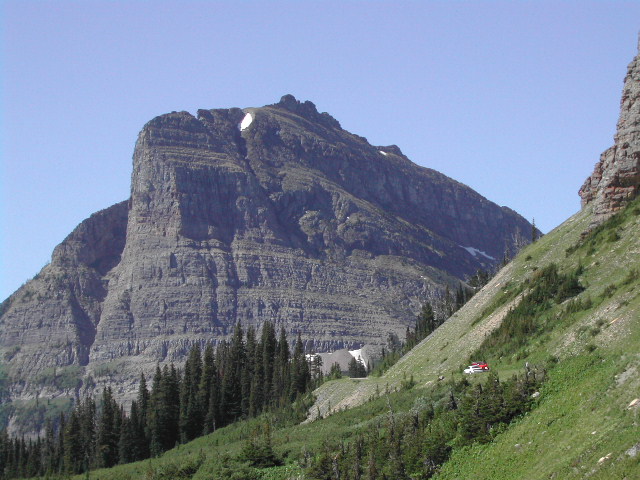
x,y
515,99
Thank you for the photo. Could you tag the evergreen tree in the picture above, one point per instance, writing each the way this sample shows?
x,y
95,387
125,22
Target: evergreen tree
x,y
248,372
353,367
258,449
256,397
172,388
213,417
127,446
209,388
86,411
479,279
191,410
269,343
316,370
231,381
140,447
73,451
108,434
426,322
335,371
157,415
281,380
60,450
142,424
461,297
49,461
300,373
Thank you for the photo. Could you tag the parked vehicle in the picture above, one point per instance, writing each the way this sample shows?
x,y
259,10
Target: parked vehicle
x,y
477,367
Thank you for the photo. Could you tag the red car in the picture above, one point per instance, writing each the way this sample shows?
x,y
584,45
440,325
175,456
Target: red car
x,y
482,365
477,367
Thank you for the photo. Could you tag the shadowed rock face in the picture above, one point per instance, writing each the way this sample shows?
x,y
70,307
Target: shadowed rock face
x,y
616,177
290,219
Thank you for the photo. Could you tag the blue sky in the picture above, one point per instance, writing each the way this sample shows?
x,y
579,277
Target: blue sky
x,y
515,99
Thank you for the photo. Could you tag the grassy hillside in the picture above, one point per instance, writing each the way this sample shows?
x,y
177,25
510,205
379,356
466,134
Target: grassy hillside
x,y
580,425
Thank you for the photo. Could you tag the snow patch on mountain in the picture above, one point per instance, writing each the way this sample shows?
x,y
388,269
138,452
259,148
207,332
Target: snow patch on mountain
x,y
475,252
246,121
357,354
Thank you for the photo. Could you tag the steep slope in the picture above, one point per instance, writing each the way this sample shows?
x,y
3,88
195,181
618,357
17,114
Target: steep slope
x,y
450,346
585,333
263,214
583,423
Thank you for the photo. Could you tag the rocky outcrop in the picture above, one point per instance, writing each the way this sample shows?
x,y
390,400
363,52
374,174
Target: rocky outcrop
x,y
263,214
51,321
616,177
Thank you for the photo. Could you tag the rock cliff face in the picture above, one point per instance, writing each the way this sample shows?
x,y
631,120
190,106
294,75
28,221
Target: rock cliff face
x,y
616,177
272,213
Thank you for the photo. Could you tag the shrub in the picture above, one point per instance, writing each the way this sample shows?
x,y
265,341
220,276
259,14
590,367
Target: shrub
x,y
546,286
613,237
632,276
609,291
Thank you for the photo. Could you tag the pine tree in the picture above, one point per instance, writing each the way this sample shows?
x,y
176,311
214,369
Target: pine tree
x,y
269,343
208,381
213,417
191,410
352,370
60,451
316,370
231,381
172,388
49,462
142,425
108,434
256,397
127,447
140,447
300,373
73,451
87,417
426,322
32,458
461,297
471,425
156,415
281,376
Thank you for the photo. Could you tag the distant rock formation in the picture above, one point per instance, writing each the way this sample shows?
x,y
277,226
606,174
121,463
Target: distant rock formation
x,y
616,177
263,214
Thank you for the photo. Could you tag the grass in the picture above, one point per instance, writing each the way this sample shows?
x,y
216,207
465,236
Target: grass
x,y
581,418
589,341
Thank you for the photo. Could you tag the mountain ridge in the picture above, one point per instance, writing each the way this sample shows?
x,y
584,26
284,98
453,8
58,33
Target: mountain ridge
x,y
291,220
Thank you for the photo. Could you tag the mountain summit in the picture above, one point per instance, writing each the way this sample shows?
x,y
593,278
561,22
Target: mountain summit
x,y
248,215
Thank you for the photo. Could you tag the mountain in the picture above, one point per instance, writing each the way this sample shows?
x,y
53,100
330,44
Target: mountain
x,y
564,316
616,177
582,420
262,214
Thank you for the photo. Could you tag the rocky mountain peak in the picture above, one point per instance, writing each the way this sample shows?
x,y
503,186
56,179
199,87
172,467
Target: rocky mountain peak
x,y
616,177
308,110
250,215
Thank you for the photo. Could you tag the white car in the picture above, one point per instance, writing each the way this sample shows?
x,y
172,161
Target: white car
x,y
477,367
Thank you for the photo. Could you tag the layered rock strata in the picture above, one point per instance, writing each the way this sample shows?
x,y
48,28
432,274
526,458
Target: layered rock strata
x,y
616,177
263,214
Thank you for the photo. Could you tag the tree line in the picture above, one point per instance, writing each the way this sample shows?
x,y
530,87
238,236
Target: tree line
x,y
417,443
432,314
242,378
